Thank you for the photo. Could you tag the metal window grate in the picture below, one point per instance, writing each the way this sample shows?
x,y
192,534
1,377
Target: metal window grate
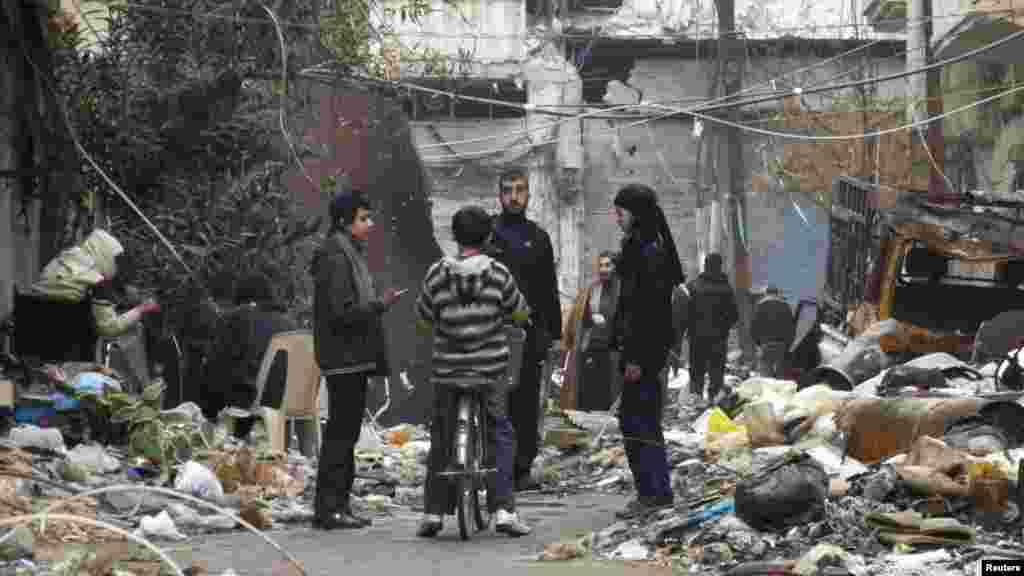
x,y
853,213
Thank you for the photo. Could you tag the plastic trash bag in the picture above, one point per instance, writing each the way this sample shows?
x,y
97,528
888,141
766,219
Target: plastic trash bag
x,y
30,436
899,377
199,481
368,439
790,491
94,457
94,382
160,526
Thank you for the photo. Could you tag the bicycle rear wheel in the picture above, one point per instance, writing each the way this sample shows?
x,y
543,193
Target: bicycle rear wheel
x,y
465,454
481,481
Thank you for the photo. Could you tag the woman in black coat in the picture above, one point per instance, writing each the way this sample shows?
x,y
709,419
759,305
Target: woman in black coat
x,y
649,269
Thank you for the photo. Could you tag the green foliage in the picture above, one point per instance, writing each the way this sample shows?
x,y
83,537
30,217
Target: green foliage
x,y
966,82
358,41
164,107
163,438
348,32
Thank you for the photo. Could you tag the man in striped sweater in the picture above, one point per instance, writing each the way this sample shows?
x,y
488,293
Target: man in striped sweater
x,y
465,301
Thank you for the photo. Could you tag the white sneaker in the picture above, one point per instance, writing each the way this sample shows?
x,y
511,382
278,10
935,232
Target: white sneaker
x,y
509,523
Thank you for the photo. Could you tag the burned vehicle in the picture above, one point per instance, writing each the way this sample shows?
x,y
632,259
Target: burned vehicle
x,y
935,273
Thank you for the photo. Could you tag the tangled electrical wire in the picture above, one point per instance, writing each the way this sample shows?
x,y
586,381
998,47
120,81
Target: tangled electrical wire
x,y
49,514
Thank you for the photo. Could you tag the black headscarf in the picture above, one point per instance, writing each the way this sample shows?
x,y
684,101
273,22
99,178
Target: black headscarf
x,y
649,225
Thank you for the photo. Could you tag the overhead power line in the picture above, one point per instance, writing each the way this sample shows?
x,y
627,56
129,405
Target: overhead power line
x,y
747,128
697,111
786,31
601,112
875,80
752,88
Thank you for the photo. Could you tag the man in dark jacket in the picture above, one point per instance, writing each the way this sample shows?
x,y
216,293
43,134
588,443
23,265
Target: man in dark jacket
x,y
240,344
712,315
526,250
351,346
773,331
649,268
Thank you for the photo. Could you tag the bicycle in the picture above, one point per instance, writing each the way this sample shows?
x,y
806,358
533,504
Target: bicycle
x,y
469,452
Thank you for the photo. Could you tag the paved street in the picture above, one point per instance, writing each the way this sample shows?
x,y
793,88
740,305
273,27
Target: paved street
x,y
390,546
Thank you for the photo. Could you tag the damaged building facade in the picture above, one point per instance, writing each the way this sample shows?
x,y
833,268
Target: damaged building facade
x,y
583,81
983,145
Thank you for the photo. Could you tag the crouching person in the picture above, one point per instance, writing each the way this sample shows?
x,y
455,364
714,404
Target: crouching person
x,y
90,271
466,302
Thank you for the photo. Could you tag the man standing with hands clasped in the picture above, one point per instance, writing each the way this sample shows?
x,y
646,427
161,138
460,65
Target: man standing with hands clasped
x,y
351,346
649,269
526,250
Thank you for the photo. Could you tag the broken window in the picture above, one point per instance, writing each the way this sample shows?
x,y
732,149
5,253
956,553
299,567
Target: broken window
x,y
423,105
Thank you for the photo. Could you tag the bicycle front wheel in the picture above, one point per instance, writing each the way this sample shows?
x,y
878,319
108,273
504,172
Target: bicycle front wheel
x,y
481,481
464,504
464,485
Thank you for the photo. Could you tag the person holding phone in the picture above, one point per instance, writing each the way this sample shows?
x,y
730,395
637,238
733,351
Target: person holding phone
x,y
351,346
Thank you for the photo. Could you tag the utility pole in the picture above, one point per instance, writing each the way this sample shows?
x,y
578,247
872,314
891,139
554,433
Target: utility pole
x,y
731,175
924,95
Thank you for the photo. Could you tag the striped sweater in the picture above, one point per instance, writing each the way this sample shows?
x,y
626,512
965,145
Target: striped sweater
x,y
468,302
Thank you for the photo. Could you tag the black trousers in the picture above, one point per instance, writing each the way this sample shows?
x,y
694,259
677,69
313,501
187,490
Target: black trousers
x,y
640,416
707,356
346,401
524,403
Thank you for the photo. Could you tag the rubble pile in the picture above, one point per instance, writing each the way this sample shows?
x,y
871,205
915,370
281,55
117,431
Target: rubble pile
x,y
391,468
906,473
913,470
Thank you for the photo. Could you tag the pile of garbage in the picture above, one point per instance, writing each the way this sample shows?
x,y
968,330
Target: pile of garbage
x,y
391,467
904,473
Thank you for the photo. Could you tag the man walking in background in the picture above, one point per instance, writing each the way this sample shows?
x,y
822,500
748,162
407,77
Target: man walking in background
x,y
712,315
526,250
773,331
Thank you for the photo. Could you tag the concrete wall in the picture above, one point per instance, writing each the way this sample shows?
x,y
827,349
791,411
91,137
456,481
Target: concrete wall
x,y
19,228
19,243
666,80
661,154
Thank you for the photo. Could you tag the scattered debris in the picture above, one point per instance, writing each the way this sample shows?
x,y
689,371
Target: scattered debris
x,y
769,477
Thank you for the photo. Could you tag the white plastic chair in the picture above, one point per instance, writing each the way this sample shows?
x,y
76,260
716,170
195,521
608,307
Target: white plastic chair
x,y
301,391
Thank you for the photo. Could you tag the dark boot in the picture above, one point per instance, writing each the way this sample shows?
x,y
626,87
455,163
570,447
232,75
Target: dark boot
x,y
525,483
337,521
643,506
